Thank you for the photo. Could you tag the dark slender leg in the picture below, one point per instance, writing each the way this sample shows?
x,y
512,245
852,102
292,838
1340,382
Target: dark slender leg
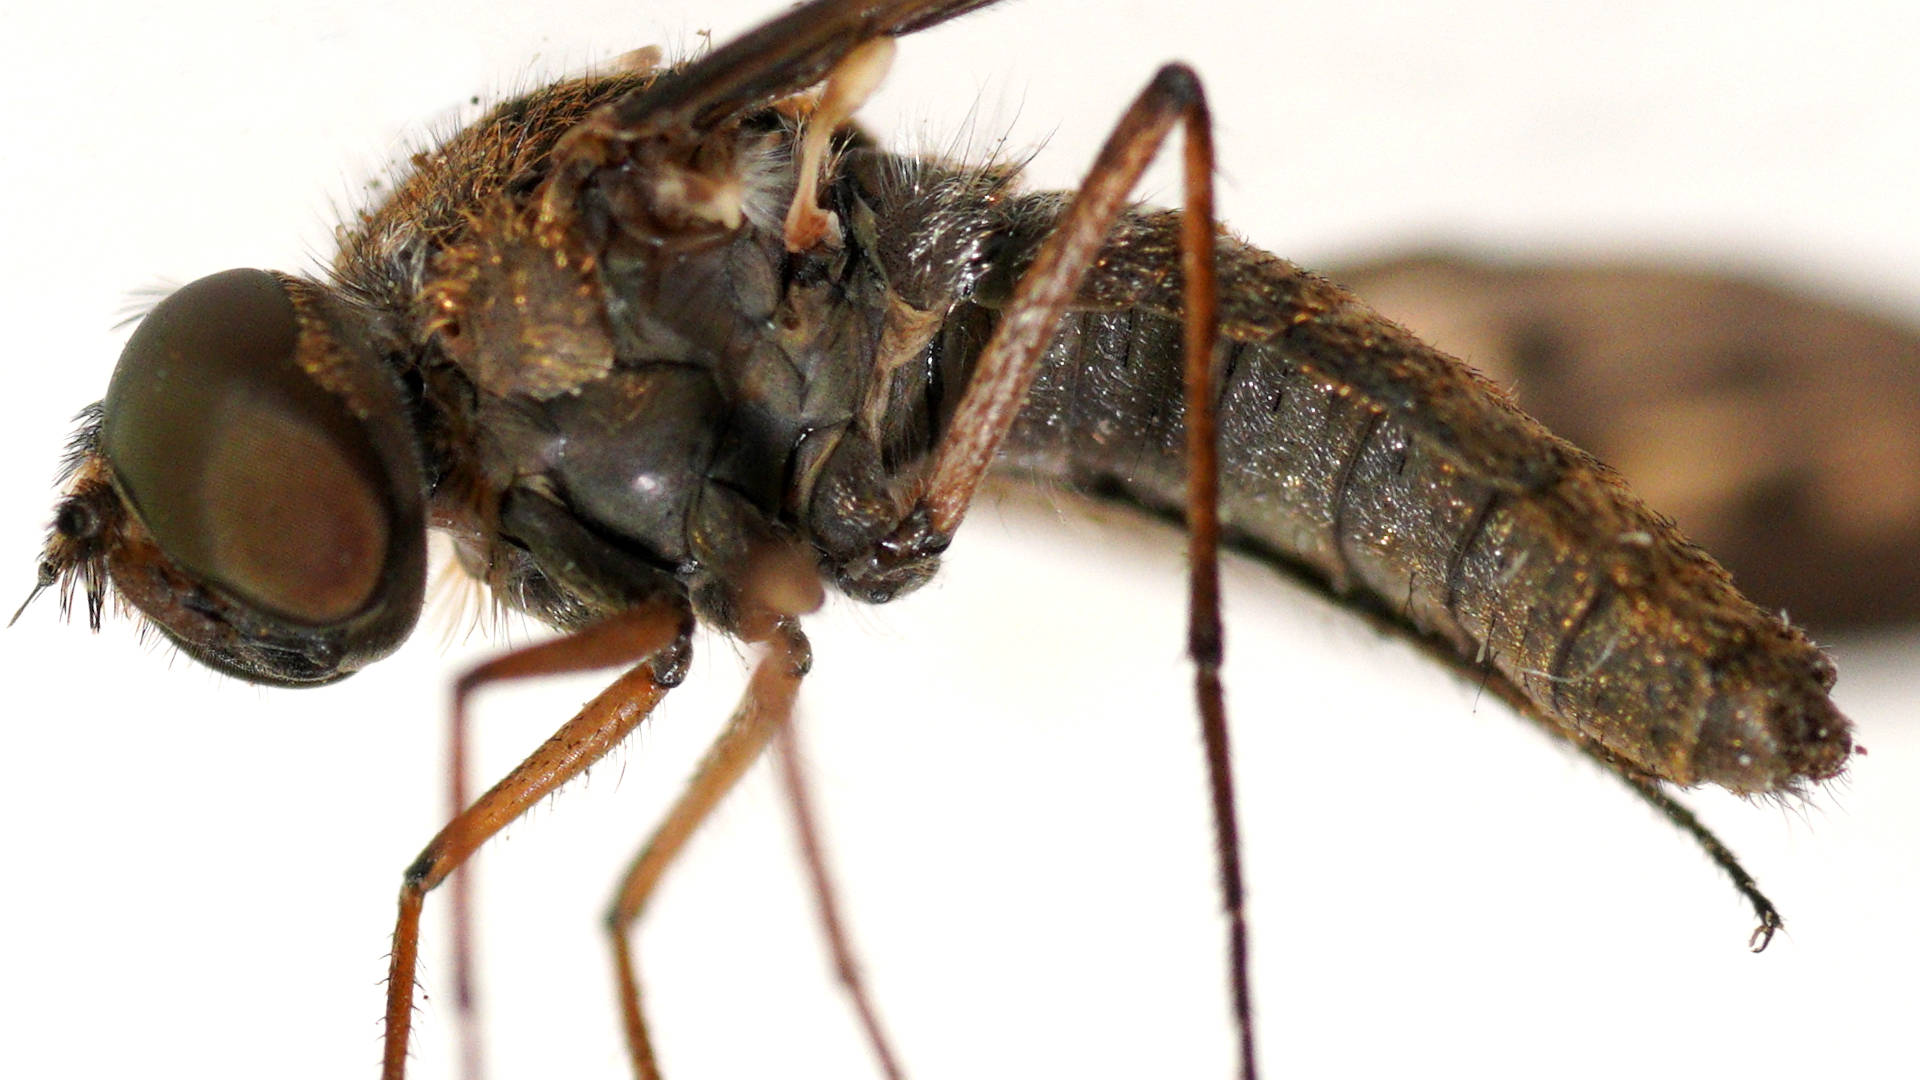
x,y
1649,791
1676,812
999,388
1206,639
846,967
645,632
763,711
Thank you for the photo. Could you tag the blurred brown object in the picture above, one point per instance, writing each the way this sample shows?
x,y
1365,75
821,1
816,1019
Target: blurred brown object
x,y
1781,431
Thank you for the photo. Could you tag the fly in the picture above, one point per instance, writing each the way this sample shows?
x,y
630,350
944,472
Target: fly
x,y
505,353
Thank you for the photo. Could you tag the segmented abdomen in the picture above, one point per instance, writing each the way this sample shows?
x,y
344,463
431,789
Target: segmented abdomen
x,y
1395,475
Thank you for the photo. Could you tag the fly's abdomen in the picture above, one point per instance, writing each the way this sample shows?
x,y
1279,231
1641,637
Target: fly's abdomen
x,y
1401,479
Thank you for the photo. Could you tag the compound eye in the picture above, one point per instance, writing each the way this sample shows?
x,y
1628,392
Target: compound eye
x,y
248,473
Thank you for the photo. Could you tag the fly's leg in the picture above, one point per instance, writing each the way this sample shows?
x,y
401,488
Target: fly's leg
x,y
656,633
998,389
764,714
1649,790
793,778
1677,814
1206,638
1683,819
768,701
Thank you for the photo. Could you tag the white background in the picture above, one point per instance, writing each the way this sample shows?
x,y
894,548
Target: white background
x,y
196,876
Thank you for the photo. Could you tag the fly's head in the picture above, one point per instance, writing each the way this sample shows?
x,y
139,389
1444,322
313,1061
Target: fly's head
x,y
250,484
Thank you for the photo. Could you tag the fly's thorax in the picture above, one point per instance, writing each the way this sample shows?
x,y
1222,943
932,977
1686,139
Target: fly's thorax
x,y
640,347
646,360
437,193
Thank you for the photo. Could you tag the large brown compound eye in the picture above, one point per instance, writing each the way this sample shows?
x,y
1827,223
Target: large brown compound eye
x,y
250,475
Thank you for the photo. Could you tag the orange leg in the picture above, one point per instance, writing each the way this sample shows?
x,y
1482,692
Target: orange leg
x,y
763,715
655,634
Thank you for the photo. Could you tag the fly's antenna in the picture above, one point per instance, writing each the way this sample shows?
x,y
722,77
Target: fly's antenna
x,y
48,575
